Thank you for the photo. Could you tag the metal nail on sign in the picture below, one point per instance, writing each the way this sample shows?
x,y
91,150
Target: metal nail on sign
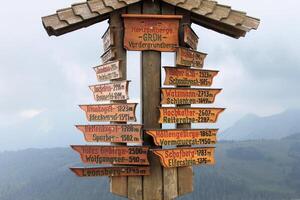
x,y
189,115
121,155
182,157
184,96
190,58
110,91
129,133
189,77
190,37
110,112
151,32
112,171
108,71
108,39
183,137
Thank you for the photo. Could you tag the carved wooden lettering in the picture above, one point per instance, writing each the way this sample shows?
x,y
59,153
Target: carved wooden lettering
x,y
179,76
120,155
108,55
110,91
112,171
183,137
108,71
190,58
130,133
189,115
182,157
190,37
151,32
110,112
108,39
184,96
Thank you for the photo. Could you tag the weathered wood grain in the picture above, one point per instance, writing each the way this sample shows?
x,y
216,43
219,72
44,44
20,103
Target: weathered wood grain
x,y
135,184
151,83
119,185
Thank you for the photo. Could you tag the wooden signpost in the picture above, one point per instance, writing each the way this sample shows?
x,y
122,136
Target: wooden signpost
x,y
110,112
121,155
189,58
189,77
111,91
190,37
150,26
108,55
183,137
189,115
151,32
108,39
118,133
108,71
182,157
112,171
184,96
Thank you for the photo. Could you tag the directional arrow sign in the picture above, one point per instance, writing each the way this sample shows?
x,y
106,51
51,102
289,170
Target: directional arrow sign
x,y
190,58
119,155
108,71
183,137
188,96
179,76
182,157
189,115
110,91
112,133
112,171
110,112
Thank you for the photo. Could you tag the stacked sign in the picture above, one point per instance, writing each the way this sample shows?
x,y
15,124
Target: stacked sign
x,y
188,72
127,161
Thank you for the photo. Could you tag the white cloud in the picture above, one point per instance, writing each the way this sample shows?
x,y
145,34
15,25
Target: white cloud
x,y
30,113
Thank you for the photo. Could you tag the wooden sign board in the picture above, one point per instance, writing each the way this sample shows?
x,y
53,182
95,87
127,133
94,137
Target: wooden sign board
x,y
112,171
110,112
118,155
108,55
110,91
189,77
108,39
184,96
151,32
190,58
190,37
183,137
130,133
108,71
189,115
183,157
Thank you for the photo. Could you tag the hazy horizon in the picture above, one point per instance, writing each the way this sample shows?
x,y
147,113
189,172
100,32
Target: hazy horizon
x,y
43,79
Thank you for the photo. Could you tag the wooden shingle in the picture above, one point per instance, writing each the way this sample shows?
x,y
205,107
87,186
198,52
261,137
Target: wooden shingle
x,y
207,13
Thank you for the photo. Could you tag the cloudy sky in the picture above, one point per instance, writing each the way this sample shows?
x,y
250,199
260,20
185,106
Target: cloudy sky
x,y
43,79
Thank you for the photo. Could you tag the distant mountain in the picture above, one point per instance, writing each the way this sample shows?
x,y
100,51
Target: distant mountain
x,y
250,170
252,127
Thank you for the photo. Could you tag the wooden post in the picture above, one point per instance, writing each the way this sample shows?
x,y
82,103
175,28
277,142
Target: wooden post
x,y
118,185
135,184
170,182
185,174
151,83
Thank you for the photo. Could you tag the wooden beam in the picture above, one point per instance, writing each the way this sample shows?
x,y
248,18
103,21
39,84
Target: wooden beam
x,y
135,183
185,174
170,182
151,83
118,185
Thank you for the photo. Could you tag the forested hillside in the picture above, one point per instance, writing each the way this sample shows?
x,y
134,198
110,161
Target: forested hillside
x,y
250,170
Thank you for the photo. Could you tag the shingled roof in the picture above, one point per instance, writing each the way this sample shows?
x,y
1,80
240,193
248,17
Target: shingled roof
x,y
206,13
